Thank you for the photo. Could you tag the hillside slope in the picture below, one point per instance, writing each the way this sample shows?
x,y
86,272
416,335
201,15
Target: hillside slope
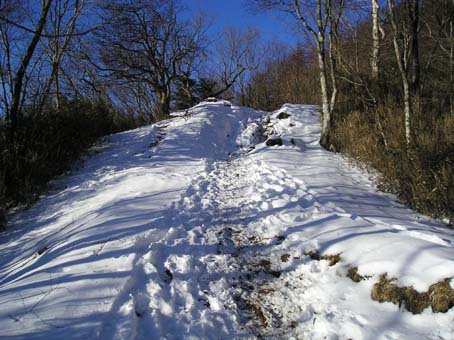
x,y
196,228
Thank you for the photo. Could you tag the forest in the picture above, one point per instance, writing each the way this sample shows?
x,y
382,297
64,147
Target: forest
x,y
382,72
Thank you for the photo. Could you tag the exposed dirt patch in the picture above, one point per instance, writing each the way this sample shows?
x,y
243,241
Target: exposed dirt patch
x,y
440,296
275,273
257,312
265,266
266,290
157,139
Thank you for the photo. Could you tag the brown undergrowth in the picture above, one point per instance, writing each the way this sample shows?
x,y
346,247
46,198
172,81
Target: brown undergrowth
x,y
45,145
440,296
421,175
331,258
353,274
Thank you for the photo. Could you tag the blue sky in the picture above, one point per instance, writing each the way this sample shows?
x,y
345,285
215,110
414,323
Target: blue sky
x,y
234,13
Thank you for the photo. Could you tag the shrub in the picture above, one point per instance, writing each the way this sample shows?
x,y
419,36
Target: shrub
x,y
46,145
422,176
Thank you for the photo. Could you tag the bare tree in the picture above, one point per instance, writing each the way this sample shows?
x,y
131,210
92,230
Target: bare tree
x,y
374,60
17,79
190,67
146,42
320,18
438,25
7,40
61,31
236,53
405,41
446,43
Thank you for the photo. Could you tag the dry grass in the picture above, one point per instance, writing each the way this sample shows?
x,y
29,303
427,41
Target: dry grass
x,y
352,273
285,257
440,296
46,145
331,258
422,176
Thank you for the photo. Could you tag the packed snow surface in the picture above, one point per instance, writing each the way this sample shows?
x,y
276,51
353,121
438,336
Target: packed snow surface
x,y
194,228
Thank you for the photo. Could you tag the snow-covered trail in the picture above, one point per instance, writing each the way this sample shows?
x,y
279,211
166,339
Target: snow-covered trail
x,y
194,228
202,272
182,282
235,264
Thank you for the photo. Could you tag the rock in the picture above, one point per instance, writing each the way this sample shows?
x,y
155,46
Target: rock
x,y
169,275
274,141
283,115
42,250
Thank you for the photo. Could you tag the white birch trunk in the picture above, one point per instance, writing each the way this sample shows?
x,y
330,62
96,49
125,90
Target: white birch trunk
x,y
326,109
374,61
402,63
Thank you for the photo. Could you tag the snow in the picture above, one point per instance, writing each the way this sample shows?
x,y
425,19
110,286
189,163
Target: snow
x,y
194,228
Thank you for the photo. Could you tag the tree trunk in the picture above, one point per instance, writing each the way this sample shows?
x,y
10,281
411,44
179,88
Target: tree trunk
x,y
163,103
58,54
332,73
451,68
374,60
415,85
321,54
17,91
407,109
333,43
57,91
403,69
324,18
326,109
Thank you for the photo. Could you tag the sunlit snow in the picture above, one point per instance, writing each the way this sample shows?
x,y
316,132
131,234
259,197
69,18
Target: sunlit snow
x,y
194,228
